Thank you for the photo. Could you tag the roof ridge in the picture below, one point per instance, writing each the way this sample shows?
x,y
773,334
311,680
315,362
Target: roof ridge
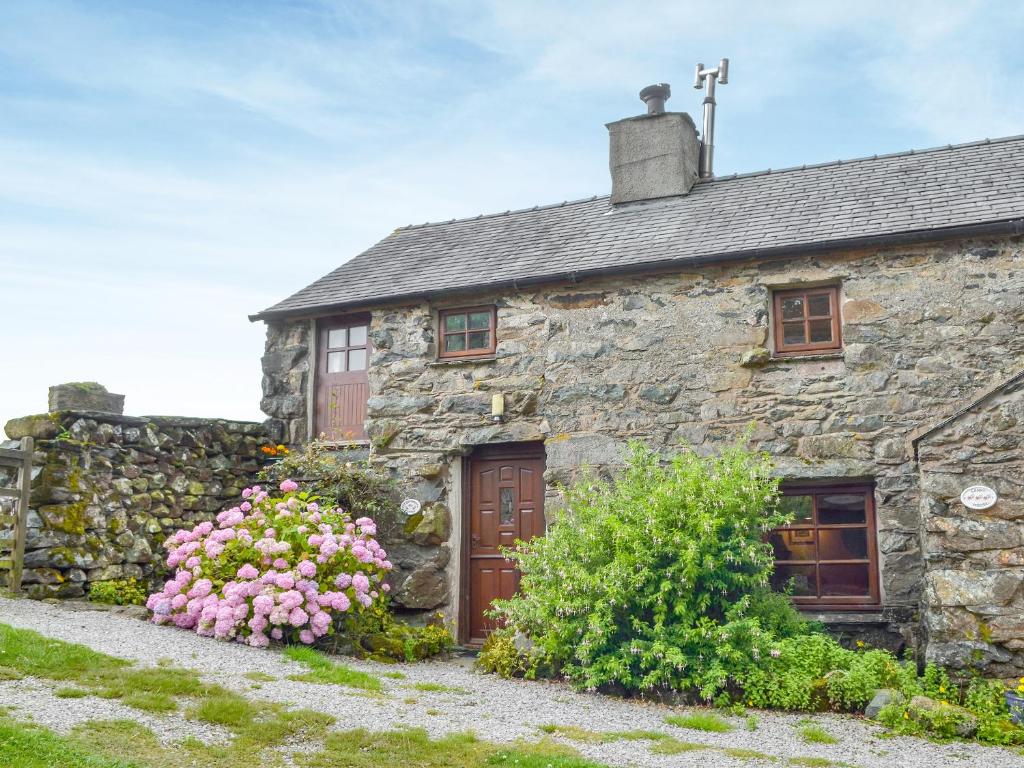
x,y
730,177
867,158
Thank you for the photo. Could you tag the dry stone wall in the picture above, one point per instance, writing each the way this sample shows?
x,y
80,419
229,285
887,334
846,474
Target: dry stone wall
x,y
683,358
974,605
108,489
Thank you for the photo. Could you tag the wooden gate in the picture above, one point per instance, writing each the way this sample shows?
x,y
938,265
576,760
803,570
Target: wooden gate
x,y
14,521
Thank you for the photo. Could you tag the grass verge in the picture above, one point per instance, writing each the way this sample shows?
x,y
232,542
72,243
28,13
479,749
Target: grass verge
x,y
325,671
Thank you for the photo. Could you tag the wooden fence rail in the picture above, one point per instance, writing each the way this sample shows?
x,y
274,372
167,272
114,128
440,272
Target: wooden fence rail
x,y
15,522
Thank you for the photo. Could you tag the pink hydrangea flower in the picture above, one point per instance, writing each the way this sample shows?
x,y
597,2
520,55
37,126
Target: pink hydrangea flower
x,y
247,571
307,569
289,485
307,637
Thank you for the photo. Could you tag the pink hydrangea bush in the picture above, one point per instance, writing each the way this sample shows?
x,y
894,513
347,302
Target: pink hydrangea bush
x,y
272,568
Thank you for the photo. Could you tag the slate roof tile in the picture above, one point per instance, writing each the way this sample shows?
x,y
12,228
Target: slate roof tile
x,y
730,216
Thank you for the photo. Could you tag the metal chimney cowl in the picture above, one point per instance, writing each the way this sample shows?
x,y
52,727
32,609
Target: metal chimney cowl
x,y
653,155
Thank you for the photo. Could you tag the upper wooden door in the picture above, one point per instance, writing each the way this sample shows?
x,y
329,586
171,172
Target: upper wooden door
x,y
343,355
506,504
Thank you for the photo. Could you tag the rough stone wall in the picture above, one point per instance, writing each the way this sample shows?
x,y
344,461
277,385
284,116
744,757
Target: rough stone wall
x,y
680,359
974,607
286,380
108,489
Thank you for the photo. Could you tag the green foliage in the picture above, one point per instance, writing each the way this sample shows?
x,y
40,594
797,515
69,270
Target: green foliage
x,y
500,656
117,592
814,672
376,634
355,486
658,579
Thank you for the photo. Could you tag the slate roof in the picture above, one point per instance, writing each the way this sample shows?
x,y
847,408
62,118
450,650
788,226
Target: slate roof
x,y
912,195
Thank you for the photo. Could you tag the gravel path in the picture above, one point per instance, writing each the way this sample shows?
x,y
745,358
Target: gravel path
x,y
496,709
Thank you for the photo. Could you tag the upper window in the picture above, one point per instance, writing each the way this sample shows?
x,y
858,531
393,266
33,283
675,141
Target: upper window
x,y
828,553
467,332
807,320
346,349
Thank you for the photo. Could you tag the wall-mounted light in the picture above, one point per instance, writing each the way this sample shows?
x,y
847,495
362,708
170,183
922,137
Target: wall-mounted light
x,y
497,407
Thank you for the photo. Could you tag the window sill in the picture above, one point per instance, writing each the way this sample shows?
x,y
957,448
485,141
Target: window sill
x,y
475,360
808,358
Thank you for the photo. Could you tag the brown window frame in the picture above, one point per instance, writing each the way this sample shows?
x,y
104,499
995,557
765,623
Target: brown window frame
x,y
492,329
782,349
869,602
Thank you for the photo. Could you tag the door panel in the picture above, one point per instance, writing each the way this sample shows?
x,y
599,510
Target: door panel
x,y
342,388
506,504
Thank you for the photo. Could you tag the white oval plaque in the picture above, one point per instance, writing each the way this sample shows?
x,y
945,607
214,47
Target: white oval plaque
x,y
978,497
410,507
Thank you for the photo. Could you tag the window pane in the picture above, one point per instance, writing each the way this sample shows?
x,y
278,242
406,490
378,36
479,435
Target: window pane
x,y
455,343
819,306
821,330
336,338
843,544
455,322
792,544
479,320
507,513
357,336
802,576
335,362
801,507
479,339
793,308
793,333
357,359
844,580
839,508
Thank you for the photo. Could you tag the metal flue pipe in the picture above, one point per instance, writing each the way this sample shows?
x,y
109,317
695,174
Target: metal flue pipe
x,y
707,78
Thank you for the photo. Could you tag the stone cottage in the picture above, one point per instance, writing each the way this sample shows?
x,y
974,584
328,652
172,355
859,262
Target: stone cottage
x,y
852,314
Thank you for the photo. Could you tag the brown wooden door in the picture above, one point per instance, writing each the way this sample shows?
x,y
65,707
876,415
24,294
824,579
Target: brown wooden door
x,y
506,504
343,355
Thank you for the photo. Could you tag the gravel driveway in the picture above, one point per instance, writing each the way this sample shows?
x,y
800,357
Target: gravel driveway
x,y
496,709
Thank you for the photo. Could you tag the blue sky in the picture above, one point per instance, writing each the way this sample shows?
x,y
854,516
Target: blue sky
x,y
167,168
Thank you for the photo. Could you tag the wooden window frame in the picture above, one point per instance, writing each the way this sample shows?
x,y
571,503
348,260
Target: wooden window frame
x,y
781,348
492,329
871,602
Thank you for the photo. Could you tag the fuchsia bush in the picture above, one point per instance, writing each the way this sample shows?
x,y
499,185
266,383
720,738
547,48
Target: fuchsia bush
x,y
271,569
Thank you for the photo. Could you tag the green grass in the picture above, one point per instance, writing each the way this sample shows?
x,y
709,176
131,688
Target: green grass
x,y
29,653
225,708
70,693
394,675
700,721
10,673
259,677
745,754
671,746
438,688
815,734
815,762
324,671
28,746
413,748
599,737
752,722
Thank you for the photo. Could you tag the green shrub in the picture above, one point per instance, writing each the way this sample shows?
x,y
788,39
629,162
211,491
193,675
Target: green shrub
x,y
379,635
355,486
658,579
117,592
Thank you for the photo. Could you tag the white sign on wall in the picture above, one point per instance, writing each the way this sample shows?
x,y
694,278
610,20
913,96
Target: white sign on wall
x,y
410,507
978,497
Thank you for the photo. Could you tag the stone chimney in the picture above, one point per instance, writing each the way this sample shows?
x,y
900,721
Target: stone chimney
x,y
653,155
